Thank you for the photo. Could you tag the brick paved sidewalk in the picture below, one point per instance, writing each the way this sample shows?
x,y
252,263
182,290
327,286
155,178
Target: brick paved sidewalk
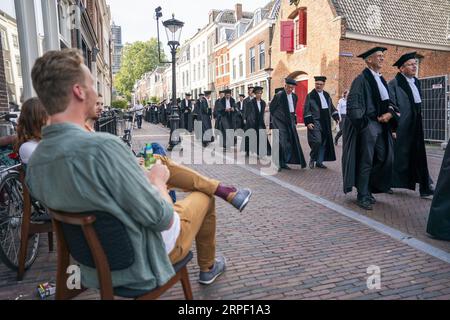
x,y
404,210
284,246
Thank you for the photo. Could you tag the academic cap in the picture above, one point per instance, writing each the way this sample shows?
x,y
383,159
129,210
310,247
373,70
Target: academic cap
x,y
368,53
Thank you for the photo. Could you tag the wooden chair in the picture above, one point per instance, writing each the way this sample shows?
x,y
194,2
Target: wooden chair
x,y
99,240
29,228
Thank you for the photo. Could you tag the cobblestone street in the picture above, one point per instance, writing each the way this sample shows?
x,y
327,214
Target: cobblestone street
x,y
291,243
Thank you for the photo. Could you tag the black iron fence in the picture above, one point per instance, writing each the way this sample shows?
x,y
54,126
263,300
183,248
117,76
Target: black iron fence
x,y
436,108
108,122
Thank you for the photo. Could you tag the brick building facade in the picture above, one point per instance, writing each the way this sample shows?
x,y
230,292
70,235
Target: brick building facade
x,y
222,58
324,37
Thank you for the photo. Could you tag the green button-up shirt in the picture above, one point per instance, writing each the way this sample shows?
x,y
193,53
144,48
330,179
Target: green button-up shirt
x,y
76,171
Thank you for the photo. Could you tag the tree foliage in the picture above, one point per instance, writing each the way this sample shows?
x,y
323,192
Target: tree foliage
x,y
138,58
119,104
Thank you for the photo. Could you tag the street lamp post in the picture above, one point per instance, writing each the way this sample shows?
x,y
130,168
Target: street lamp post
x,y
173,32
269,80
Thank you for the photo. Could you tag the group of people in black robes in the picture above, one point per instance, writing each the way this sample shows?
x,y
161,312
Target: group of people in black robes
x,y
384,145
244,118
158,113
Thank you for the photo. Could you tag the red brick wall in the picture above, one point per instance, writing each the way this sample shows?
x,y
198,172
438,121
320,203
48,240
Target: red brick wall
x,y
319,57
434,63
223,81
3,93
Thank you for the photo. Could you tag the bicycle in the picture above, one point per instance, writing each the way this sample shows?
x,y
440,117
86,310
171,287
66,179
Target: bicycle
x,y
127,138
11,209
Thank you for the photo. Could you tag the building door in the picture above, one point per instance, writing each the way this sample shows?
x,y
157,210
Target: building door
x,y
301,91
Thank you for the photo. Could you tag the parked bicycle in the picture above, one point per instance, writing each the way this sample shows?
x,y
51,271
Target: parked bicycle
x,y
11,208
129,119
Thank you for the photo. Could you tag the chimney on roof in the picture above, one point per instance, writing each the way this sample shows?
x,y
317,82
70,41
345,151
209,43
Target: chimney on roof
x,y
238,11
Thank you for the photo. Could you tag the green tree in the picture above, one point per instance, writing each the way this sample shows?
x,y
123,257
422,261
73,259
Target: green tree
x,y
138,58
119,104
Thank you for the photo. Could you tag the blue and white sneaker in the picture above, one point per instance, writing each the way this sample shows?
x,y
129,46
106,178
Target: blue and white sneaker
x,y
219,267
241,199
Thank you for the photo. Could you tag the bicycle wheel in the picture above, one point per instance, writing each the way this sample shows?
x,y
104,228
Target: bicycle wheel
x,y
11,213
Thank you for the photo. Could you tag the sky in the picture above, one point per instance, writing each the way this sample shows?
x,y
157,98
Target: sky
x,y
136,17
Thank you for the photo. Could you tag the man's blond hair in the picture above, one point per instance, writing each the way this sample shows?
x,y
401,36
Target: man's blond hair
x,y
54,75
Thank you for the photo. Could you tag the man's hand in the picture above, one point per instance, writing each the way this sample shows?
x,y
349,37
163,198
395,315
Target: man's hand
x,y
311,126
159,174
385,118
394,135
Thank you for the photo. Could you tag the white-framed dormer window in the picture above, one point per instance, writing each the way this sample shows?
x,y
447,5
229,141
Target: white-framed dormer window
x,y
258,17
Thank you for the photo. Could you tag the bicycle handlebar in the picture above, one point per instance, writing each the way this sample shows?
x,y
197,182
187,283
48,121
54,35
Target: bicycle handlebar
x,y
8,116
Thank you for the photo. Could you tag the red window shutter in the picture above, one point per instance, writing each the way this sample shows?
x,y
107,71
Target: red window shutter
x,y
287,36
302,27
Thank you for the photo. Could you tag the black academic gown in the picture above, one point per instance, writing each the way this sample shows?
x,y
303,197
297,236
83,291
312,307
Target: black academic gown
x,y
155,115
197,120
239,115
204,115
186,115
410,161
284,122
254,121
162,115
215,115
321,119
439,219
364,97
225,119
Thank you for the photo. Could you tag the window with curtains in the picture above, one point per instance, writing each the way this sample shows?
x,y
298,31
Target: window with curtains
x,y
252,60
262,55
234,69
241,66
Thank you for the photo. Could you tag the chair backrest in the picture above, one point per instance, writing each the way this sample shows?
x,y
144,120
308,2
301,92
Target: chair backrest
x,y
113,238
97,240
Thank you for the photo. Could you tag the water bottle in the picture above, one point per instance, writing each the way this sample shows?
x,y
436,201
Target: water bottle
x,y
148,156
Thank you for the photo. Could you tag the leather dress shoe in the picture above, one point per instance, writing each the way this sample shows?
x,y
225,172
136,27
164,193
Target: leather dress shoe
x,y
312,164
365,204
321,166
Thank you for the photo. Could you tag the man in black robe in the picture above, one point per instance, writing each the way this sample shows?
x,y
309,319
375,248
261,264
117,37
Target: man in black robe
x,y
318,111
282,110
205,115
238,115
410,161
368,153
186,113
250,96
439,219
197,117
163,113
254,122
155,114
215,115
225,117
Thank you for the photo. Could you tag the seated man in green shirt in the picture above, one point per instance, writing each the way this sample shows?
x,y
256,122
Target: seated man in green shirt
x,y
73,170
